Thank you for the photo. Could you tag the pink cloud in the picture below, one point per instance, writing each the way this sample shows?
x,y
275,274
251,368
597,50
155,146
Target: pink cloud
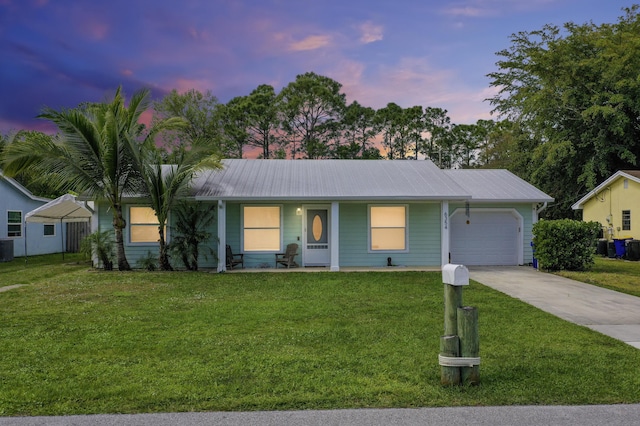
x,y
413,82
370,32
311,43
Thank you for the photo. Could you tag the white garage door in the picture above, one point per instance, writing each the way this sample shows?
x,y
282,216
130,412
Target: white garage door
x,y
489,238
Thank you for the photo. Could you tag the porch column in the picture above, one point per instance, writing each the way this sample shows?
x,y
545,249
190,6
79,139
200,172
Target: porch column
x,y
335,236
444,233
222,236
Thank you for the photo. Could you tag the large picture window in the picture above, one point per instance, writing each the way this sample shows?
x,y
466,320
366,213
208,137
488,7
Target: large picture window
x,y
14,223
143,225
388,228
261,228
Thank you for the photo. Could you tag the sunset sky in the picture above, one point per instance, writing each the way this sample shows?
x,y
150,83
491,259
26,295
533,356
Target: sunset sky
x,y
59,53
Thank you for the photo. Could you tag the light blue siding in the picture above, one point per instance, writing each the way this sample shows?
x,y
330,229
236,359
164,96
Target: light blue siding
x,y
136,251
291,232
423,237
32,241
423,230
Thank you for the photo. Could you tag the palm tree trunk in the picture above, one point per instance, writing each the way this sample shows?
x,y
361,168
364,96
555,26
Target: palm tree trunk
x,y
194,265
118,225
163,258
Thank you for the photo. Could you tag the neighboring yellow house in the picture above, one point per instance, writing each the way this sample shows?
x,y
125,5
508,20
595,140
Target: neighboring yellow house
x,y
615,203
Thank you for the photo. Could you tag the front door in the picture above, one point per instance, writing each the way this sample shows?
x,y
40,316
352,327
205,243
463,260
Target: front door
x,y
316,237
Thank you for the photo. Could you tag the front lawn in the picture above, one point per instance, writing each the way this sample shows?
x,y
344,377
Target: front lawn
x,y
614,274
78,341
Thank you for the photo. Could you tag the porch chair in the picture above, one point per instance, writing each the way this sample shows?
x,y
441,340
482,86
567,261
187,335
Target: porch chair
x,y
287,258
234,259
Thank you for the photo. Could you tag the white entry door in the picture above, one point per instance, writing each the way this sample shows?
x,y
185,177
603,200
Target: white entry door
x,y
316,251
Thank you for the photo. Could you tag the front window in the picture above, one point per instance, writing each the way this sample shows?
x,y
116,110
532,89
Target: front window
x,y
261,228
14,224
626,220
388,228
143,225
49,230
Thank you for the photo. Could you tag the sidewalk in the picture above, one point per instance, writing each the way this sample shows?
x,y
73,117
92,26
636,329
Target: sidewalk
x,y
615,314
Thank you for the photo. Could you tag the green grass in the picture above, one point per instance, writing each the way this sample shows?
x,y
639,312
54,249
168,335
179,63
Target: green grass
x,y
77,341
614,274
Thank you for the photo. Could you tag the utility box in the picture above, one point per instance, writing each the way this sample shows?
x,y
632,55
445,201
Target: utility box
x,y
6,250
456,275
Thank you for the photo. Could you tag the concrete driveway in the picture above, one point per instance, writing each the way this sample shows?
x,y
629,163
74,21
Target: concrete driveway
x,y
606,311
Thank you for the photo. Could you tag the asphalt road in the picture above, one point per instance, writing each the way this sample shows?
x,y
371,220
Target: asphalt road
x,y
596,415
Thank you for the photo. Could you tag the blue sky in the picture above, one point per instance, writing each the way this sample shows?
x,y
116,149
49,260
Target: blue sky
x,y
60,53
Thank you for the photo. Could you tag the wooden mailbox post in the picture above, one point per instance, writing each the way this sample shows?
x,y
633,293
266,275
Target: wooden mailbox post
x,y
459,346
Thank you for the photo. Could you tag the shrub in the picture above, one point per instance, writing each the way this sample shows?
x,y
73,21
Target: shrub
x,y
565,244
102,245
149,263
190,230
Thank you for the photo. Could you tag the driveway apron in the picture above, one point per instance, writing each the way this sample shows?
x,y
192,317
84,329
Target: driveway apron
x,y
609,312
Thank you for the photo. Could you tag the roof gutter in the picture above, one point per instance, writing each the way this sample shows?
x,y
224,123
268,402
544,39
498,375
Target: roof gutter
x,y
394,198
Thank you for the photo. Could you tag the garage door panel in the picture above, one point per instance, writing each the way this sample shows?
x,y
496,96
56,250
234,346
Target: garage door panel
x,y
490,238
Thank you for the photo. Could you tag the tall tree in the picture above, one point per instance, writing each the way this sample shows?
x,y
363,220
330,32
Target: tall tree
x,y
359,129
95,154
576,95
201,113
414,119
263,108
310,104
388,120
234,123
438,126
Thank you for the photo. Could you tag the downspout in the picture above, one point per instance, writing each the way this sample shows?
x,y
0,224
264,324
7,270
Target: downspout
x,y
541,209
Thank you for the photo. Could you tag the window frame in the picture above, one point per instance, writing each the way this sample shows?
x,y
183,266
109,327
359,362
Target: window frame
x,y
370,249
155,225
20,224
626,224
44,230
280,228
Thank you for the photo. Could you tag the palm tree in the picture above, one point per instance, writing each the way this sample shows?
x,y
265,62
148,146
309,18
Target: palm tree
x,y
191,223
165,185
96,153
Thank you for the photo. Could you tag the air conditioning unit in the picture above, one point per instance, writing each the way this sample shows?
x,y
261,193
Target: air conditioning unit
x,y
6,250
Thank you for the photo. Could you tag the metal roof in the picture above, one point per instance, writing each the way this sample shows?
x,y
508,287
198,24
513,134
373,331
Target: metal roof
x,y
327,180
496,185
353,180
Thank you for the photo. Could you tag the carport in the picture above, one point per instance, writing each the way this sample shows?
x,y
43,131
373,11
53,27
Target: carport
x,y
63,209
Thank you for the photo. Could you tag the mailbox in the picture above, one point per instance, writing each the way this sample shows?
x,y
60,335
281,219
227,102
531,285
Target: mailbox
x,y
457,275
